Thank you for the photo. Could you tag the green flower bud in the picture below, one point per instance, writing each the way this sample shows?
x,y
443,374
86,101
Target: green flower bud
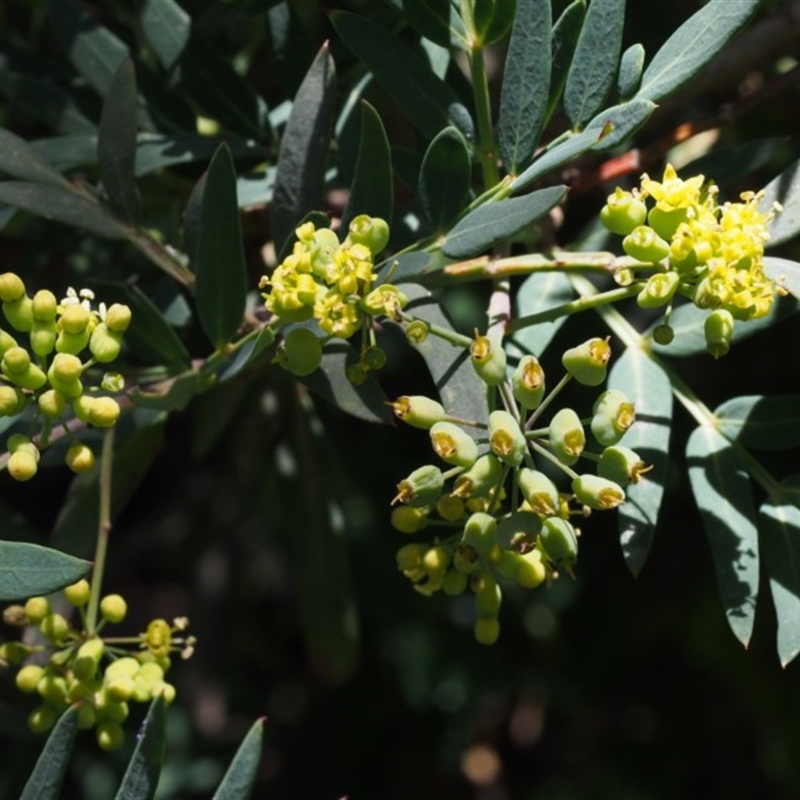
x,y
455,583
528,382
663,334
127,665
531,572
520,527
44,306
421,488
372,232
11,287
612,415
118,318
418,411
78,593
644,244
42,719
105,344
466,559
104,412
15,616
73,343
558,542
488,359
588,362
539,491
74,319
13,653
7,341
453,444
28,678
597,492
487,630
113,608
120,688
719,330
52,688
54,627
52,403
300,352
82,406
86,717
666,223
88,659
621,465
488,595
623,212
22,466
417,331
356,374
16,360
658,290
373,358
167,690
506,438
110,736
567,438
450,508
479,532
36,609
19,314
407,519
79,458
12,401
480,479
43,338
435,563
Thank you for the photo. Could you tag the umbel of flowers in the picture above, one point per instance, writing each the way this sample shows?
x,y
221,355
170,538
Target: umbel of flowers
x,y
102,674
334,284
711,253
47,354
499,514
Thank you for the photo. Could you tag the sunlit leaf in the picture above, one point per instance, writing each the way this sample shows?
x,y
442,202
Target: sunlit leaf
x,y
45,781
141,776
723,494
30,569
631,66
785,190
761,423
166,26
785,273
565,38
239,779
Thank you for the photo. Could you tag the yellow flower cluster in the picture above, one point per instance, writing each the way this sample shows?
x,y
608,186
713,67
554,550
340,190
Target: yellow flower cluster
x,y
332,282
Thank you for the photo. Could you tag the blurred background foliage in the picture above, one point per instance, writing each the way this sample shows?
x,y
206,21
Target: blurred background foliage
x,y
274,538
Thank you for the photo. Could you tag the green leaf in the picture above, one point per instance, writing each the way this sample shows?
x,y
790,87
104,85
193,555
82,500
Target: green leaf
x,y
299,184
437,20
371,189
594,65
631,66
221,289
445,178
493,18
246,354
367,401
526,83
779,519
429,102
141,777
173,394
492,222
92,49
565,39
292,45
723,494
462,392
116,142
167,27
785,273
540,291
785,189
45,781
761,423
238,781
687,321
648,386
607,129
61,205
693,45
30,569
20,160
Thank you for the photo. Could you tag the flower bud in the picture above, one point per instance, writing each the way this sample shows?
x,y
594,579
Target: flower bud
x,y
479,532
113,608
528,382
506,438
110,736
104,412
78,593
488,359
300,353
664,222
454,583
658,290
612,415
407,519
480,479
418,411
718,329
118,318
52,403
22,466
72,343
409,557
54,627
623,212
621,465
52,688
539,491
588,362
435,563
466,559
488,595
44,306
12,401
520,527
16,360
567,438
421,488
531,572
64,375
120,687
644,244
597,492
19,314
43,338
372,232
42,719
74,319
663,334
104,344
36,609
453,444
13,653
450,508
79,458
7,341
558,542
356,374
28,678
88,659
487,630
373,357
11,287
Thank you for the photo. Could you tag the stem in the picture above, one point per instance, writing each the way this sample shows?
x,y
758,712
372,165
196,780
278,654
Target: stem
x,y
545,453
480,91
456,339
103,530
547,400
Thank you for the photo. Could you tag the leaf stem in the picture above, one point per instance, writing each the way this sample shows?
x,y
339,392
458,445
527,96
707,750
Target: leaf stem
x,y
480,91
